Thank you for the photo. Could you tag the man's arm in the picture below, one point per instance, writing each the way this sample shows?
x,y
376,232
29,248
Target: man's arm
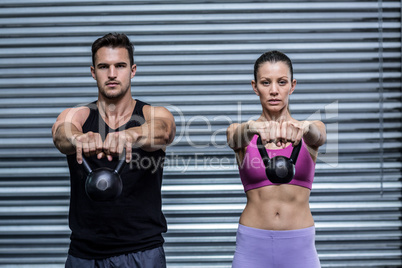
x,y
67,125
156,133
68,136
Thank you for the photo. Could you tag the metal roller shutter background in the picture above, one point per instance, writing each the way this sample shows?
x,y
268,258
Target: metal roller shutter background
x,y
196,58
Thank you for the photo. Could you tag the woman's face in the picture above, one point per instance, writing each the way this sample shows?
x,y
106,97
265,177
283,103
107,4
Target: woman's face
x,y
274,85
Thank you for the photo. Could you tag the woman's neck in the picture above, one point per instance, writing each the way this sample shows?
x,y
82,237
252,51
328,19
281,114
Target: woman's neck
x,y
282,115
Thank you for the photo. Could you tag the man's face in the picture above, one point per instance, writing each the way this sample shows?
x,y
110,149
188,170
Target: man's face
x,y
112,72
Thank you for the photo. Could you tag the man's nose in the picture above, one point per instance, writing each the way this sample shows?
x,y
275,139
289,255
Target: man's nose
x,y
112,72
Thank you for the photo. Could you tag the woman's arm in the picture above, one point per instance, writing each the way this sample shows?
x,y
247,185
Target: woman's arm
x,y
314,133
239,135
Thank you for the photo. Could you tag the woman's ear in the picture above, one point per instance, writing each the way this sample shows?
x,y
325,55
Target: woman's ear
x,y
294,82
254,85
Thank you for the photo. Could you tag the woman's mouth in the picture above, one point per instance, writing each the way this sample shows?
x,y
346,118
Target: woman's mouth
x,y
274,101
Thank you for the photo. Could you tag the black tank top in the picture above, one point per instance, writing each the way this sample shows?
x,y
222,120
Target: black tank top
x,y
134,222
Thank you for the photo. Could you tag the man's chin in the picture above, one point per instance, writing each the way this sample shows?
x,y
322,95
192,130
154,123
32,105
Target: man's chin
x,y
112,95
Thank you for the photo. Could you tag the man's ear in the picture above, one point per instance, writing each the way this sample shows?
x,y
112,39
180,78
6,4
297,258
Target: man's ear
x,y
93,72
133,70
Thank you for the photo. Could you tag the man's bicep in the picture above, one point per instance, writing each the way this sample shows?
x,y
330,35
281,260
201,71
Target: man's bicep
x,y
160,113
71,117
157,114
165,115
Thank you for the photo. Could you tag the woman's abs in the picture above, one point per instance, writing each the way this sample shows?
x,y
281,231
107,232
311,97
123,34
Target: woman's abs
x,y
277,212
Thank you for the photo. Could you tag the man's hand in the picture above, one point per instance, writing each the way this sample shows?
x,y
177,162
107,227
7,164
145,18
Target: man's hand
x,y
115,143
90,143
87,144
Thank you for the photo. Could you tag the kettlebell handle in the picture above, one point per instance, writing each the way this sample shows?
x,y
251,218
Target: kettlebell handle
x,y
295,152
121,163
118,168
264,153
86,165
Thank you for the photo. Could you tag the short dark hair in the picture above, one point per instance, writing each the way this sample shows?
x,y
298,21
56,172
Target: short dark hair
x,y
113,40
272,56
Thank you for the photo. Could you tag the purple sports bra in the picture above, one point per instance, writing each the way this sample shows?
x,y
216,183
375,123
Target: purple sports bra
x,y
252,169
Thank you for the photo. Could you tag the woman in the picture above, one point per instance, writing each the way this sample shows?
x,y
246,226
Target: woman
x,y
276,228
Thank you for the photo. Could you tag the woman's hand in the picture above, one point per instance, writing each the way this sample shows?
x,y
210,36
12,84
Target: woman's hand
x,y
279,133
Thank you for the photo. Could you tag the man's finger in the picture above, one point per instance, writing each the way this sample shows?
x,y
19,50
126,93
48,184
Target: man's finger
x,y
106,145
85,148
128,152
78,150
98,144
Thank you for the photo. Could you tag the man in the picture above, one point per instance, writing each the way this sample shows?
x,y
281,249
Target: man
x,y
127,231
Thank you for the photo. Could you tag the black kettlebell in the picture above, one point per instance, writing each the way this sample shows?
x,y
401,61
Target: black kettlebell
x,y
103,183
279,169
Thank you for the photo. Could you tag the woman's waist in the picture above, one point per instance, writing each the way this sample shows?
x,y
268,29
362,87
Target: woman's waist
x,y
277,216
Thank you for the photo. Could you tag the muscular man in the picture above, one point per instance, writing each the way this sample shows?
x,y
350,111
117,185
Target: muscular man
x,y
127,231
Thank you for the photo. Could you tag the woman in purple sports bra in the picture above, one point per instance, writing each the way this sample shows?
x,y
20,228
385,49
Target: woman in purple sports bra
x,y
276,228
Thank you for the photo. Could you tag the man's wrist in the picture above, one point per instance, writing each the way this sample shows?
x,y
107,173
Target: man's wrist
x,y
134,134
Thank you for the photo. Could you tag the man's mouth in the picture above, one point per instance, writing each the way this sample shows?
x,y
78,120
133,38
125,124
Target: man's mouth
x,y
112,84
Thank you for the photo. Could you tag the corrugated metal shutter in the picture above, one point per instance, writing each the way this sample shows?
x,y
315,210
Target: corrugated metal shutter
x,y
196,58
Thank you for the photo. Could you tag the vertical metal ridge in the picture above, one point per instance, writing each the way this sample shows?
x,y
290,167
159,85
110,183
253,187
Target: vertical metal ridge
x,y
381,92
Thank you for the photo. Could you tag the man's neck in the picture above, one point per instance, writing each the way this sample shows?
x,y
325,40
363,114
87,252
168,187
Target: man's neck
x,y
116,112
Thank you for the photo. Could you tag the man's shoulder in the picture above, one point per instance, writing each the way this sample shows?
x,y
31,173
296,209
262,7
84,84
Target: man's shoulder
x,y
76,114
155,111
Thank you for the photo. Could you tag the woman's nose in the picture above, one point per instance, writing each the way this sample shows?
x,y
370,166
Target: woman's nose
x,y
274,90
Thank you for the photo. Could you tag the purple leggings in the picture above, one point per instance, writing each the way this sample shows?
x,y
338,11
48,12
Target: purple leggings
x,y
257,248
